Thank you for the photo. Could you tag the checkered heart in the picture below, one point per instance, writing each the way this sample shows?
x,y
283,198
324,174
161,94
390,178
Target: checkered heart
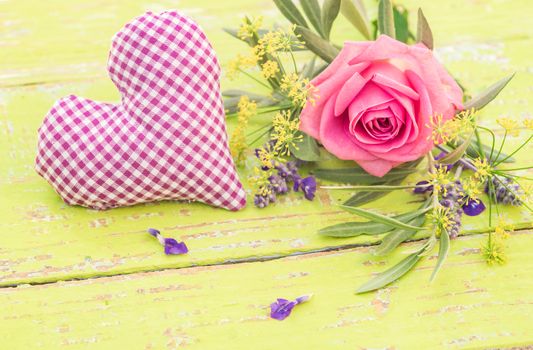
x,y
165,140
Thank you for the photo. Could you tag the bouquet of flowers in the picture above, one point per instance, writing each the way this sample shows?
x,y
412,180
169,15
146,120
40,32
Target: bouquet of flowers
x,y
386,107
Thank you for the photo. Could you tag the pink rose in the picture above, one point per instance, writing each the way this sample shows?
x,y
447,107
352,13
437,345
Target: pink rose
x,y
375,103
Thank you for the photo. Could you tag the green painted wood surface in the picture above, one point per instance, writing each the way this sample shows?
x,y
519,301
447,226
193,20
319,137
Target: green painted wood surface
x,y
470,305
44,57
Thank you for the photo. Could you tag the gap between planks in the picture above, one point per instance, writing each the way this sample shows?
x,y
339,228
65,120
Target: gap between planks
x,y
237,261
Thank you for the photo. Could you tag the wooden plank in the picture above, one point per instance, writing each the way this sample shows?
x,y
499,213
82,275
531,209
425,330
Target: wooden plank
x,y
470,305
45,240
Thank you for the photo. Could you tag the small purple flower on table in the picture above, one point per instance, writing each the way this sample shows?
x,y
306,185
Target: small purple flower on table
x,y
307,185
473,207
172,247
282,308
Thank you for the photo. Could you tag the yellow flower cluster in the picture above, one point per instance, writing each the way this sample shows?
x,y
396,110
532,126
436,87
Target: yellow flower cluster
x,y
261,181
440,219
249,27
494,252
300,91
278,40
504,228
269,69
528,123
471,188
238,64
238,145
484,169
440,179
285,132
510,126
444,131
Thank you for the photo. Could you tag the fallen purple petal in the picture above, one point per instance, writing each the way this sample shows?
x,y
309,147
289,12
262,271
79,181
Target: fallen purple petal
x,y
282,308
172,247
473,207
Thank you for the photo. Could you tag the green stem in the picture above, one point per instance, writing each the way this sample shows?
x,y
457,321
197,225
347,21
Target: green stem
x,y
493,140
501,145
374,187
516,150
254,78
515,169
479,144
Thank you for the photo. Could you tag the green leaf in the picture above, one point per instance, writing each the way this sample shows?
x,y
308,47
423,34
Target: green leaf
x,y
291,12
364,197
358,176
457,153
386,18
330,11
312,11
401,24
355,13
390,275
488,95
398,236
473,151
352,229
322,48
386,220
423,32
307,149
444,247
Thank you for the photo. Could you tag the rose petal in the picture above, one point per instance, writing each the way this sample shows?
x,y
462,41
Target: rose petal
x,y
336,137
348,92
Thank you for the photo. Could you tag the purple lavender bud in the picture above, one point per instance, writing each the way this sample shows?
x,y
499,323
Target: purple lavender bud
x,y
473,207
505,191
261,201
279,185
440,156
282,308
308,187
423,189
173,247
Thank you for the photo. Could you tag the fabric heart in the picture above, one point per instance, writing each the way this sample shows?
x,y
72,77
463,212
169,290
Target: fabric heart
x,y
167,138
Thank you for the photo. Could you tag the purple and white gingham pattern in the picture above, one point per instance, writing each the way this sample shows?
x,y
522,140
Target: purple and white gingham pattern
x,y
167,138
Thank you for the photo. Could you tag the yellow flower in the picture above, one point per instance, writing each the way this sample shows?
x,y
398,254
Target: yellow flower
x,y
238,145
285,132
483,167
278,40
471,188
503,228
440,219
240,62
260,180
269,69
510,125
493,252
249,27
447,131
298,90
440,179
528,123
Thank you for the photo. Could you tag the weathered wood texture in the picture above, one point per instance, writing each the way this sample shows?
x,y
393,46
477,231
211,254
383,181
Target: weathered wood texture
x,y
46,57
470,305
52,49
